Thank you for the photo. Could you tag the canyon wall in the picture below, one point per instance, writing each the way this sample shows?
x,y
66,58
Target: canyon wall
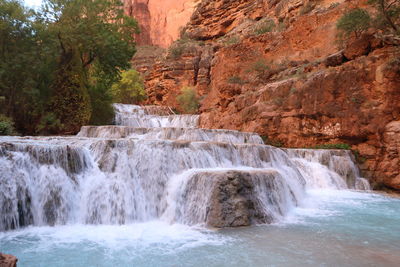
x,y
160,20
276,68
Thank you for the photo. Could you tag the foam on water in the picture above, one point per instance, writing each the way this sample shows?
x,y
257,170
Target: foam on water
x,y
362,230
113,237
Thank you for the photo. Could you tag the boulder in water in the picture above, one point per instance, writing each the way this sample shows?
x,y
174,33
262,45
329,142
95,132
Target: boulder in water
x,y
233,202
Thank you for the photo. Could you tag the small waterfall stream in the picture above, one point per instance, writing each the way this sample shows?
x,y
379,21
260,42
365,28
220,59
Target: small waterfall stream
x,y
154,165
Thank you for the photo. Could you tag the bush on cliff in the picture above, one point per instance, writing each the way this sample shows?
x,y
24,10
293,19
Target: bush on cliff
x,y
265,26
188,100
333,146
385,19
354,22
130,89
388,15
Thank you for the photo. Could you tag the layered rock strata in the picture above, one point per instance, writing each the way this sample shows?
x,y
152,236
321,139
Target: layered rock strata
x,y
275,68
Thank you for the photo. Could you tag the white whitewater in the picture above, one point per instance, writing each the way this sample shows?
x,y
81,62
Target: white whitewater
x,y
151,117
154,165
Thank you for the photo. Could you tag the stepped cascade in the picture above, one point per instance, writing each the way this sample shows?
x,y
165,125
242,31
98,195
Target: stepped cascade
x,y
155,165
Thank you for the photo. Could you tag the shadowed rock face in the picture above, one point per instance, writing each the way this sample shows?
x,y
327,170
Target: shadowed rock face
x,y
8,260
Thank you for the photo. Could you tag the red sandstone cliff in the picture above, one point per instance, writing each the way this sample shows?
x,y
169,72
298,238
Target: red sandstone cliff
x,y
160,20
292,84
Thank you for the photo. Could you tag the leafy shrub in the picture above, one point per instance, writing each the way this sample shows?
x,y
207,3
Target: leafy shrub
x,y
359,159
130,89
101,101
307,8
282,26
6,126
176,51
334,5
264,27
232,41
235,80
271,142
332,146
49,124
388,15
262,69
393,65
355,21
188,100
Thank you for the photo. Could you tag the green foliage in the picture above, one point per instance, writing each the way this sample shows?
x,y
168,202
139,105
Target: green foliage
x,y
235,80
265,26
393,65
60,51
6,126
101,98
359,159
271,142
49,124
388,15
130,89
332,146
188,100
355,21
282,26
307,8
231,40
70,102
176,51
262,69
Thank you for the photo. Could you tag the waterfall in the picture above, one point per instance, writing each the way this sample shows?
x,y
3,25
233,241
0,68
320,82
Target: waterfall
x,y
151,117
155,165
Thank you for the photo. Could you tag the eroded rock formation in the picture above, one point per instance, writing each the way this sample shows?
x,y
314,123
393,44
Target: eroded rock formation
x,y
290,82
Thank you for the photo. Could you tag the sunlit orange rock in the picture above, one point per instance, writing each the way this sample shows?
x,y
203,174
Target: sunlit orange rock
x,y
160,20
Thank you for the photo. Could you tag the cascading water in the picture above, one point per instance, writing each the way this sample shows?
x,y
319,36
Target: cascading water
x,y
154,165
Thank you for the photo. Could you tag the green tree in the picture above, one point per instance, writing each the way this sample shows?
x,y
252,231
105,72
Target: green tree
x,y
355,21
388,17
69,54
130,89
89,34
20,64
6,126
188,100
101,97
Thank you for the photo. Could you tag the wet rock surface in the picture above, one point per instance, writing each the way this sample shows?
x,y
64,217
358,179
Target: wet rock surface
x,y
233,201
